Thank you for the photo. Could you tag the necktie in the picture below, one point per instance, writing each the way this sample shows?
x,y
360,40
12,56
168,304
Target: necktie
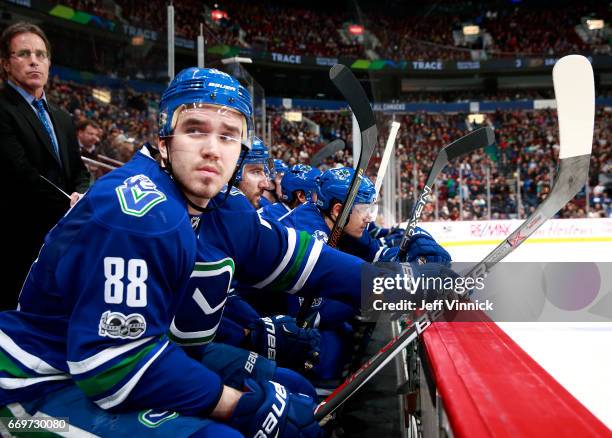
x,y
41,113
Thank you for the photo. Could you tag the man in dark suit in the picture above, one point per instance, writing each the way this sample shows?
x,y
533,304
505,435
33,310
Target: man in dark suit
x,y
38,149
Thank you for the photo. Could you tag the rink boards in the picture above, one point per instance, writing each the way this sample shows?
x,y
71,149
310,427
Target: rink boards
x,y
528,378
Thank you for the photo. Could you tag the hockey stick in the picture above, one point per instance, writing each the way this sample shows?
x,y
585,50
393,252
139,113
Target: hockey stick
x,y
575,94
477,139
327,151
346,82
384,163
55,185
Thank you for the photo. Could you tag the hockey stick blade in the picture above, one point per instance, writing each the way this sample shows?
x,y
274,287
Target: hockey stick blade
x,y
346,82
576,113
327,151
477,139
352,91
575,95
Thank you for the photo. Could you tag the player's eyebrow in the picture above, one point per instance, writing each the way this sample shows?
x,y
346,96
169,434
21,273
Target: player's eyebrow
x,y
190,121
231,128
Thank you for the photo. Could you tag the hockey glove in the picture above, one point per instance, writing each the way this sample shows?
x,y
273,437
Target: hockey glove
x,y
279,339
423,248
388,254
267,409
394,238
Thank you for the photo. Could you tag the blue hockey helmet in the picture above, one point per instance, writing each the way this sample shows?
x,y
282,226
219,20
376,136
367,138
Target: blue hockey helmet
x,y
335,183
280,166
195,87
257,155
299,177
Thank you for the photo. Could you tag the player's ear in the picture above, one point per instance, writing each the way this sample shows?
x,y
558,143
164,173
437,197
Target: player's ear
x,y
163,148
301,196
336,210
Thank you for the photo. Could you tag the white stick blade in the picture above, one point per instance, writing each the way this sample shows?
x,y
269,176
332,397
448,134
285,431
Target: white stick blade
x,y
382,170
575,95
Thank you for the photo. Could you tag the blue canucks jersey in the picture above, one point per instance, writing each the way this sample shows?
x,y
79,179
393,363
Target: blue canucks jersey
x,y
235,200
262,255
98,302
308,217
263,202
275,211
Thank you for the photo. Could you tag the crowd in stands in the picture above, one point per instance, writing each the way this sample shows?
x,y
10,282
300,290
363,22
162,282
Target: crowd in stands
x,y
524,158
423,32
125,123
520,167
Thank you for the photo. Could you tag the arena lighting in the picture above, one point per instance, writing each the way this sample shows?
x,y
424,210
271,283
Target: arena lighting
x,y
476,118
101,95
218,14
355,29
138,40
595,24
471,29
293,116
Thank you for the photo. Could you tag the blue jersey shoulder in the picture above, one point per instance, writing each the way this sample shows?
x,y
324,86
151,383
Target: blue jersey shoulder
x,y
235,201
307,217
263,202
275,211
138,197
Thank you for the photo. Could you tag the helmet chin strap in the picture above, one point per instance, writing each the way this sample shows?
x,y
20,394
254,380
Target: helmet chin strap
x,y
168,168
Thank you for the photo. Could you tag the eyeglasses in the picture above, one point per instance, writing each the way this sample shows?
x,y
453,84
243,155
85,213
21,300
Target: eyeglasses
x,y
41,55
195,139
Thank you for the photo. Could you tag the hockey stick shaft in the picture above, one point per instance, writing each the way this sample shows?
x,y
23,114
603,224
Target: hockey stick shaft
x,y
346,82
384,163
55,186
576,108
477,139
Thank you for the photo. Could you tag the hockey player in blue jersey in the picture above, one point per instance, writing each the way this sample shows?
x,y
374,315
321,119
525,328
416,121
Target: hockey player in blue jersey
x,y
253,177
89,340
318,220
98,301
299,185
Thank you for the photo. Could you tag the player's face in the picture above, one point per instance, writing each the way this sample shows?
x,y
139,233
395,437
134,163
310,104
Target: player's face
x,y
204,150
358,221
254,182
28,63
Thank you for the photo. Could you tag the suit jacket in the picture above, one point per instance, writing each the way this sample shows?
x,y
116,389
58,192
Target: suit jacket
x,y
32,206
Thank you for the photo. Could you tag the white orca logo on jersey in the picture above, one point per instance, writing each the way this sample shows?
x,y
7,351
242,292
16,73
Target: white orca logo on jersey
x,y
117,325
320,235
153,419
137,195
